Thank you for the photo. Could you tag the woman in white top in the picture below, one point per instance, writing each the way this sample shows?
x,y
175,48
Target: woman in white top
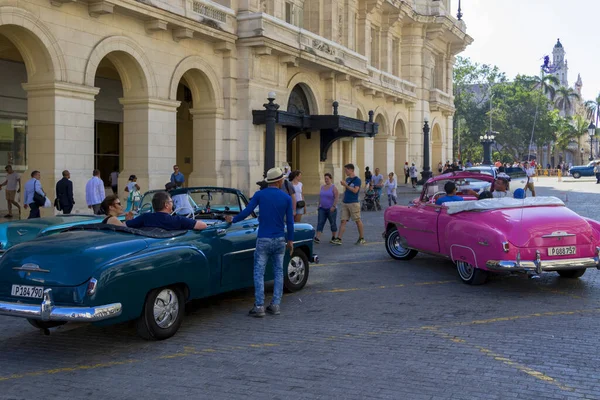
x,y
391,186
133,194
295,177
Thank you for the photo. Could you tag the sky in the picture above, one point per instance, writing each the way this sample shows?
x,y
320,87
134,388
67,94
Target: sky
x,y
515,35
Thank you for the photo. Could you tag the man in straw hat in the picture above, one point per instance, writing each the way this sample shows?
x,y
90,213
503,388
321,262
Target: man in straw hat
x,y
276,212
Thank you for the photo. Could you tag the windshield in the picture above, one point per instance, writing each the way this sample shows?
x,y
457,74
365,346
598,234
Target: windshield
x,y
216,200
486,171
478,185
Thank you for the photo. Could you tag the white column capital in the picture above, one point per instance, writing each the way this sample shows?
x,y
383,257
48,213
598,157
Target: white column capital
x,y
139,103
61,89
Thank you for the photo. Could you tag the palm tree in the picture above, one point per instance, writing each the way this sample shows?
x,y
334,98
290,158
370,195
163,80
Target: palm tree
x,y
593,108
546,83
565,97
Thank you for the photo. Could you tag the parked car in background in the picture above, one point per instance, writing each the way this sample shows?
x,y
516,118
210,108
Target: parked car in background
x,y
578,171
531,235
108,274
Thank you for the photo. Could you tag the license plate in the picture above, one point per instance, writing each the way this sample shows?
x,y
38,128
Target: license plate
x,y
561,251
37,292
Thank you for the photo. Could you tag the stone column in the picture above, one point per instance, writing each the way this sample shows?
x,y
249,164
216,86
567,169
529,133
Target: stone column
x,y
149,141
208,147
310,162
384,154
60,136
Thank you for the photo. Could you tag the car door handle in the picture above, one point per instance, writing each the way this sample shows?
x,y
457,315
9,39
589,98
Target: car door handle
x,y
221,232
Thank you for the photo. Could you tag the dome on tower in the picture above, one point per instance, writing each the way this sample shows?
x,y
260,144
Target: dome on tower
x,y
558,44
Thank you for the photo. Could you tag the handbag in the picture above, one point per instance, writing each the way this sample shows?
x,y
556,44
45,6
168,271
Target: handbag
x,y
38,198
57,204
300,204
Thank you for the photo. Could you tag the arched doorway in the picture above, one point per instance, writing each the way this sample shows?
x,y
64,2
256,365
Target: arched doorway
x,y
31,64
199,136
436,148
297,104
401,149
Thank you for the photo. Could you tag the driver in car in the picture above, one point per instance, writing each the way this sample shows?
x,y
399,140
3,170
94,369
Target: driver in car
x,y
162,218
450,189
500,189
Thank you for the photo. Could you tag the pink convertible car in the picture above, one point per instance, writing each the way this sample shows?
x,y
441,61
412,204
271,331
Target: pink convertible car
x,y
530,235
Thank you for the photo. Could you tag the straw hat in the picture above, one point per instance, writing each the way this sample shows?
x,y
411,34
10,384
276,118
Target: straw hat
x,y
274,175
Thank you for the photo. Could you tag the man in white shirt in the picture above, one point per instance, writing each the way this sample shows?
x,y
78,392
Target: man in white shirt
x,y
12,178
114,181
94,192
413,175
530,171
501,188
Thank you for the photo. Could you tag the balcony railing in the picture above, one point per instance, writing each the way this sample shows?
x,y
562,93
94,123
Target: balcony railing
x,y
440,101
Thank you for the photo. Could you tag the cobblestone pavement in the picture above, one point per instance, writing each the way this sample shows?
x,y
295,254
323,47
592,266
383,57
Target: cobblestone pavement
x,y
364,327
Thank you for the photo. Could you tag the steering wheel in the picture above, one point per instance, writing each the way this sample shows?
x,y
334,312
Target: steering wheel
x,y
145,208
436,196
190,214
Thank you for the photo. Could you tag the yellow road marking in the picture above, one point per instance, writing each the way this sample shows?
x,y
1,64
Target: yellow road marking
x,y
401,285
189,351
67,369
505,360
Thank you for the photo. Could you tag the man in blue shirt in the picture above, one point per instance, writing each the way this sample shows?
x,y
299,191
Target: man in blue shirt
x,y
275,206
32,186
378,182
177,177
162,218
351,204
450,189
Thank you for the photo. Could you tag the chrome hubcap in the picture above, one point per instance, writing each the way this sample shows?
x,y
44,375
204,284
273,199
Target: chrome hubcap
x,y
465,270
166,308
296,270
393,244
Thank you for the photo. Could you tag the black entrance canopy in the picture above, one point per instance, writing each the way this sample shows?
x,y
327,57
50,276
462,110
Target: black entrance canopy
x,y
332,127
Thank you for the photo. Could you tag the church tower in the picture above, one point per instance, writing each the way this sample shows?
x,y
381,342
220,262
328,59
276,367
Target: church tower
x,y
559,62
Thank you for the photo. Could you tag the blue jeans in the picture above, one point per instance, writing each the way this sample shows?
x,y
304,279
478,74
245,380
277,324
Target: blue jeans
x,y
274,249
325,214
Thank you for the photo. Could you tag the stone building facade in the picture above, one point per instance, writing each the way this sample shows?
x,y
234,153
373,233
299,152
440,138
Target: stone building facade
x,y
138,86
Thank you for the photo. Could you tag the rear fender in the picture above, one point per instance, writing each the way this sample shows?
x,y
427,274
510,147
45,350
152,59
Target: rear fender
x,y
463,253
595,228
129,281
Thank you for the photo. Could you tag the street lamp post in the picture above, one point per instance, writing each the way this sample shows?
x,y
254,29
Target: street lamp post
x,y
270,123
426,173
487,140
592,133
582,155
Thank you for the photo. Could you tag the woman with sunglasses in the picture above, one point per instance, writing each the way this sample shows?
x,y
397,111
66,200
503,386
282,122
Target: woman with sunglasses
x,y
112,209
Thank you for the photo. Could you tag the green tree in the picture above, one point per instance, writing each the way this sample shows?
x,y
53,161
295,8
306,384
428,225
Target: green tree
x,y
547,83
593,108
565,97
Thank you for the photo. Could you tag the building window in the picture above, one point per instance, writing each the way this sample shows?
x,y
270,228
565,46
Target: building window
x,y
293,14
13,143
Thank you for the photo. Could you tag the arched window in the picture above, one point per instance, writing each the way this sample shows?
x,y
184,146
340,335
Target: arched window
x,y
298,102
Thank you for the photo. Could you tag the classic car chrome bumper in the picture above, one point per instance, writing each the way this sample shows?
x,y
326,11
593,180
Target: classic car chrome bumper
x,y
538,265
47,311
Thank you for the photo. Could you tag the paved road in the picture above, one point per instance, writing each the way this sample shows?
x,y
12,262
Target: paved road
x,y
364,327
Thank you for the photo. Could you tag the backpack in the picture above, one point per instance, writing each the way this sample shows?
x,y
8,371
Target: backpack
x,y
288,187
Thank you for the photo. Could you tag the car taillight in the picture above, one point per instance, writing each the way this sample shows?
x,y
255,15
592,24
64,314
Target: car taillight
x,y
505,247
91,288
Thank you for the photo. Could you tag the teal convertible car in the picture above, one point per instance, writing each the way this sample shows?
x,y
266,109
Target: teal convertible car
x,y
108,274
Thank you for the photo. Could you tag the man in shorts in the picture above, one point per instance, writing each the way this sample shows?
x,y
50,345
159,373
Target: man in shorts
x,y
12,179
351,204
530,171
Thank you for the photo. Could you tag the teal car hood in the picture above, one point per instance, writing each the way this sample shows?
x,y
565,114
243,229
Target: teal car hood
x,y
19,231
67,259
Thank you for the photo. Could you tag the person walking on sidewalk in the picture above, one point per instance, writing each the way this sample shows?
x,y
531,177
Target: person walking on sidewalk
x,y
391,186
596,172
294,178
368,176
328,199
272,240
94,192
378,182
413,175
31,187
530,171
64,193
351,204
406,172
12,178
